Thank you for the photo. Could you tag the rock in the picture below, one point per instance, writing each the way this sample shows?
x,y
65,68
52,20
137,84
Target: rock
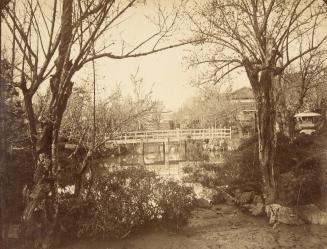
x,y
202,203
230,201
209,194
256,209
280,214
312,214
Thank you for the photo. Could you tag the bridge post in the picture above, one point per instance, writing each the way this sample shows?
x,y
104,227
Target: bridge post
x,y
142,152
185,148
166,151
119,155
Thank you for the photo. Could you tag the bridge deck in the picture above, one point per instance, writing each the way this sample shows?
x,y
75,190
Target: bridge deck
x,y
171,135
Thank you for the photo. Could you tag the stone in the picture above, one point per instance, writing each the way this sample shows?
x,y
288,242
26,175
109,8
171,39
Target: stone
x,y
205,193
202,203
255,209
312,214
280,214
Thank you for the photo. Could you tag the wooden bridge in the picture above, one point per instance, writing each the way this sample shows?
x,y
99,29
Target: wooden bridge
x,y
177,135
167,138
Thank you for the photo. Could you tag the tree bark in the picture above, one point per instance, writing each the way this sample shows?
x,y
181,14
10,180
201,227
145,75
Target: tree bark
x,y
267,135
262,85
40,218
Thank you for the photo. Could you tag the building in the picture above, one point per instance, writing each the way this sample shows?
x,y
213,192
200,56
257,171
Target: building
x,y
162,120
244,102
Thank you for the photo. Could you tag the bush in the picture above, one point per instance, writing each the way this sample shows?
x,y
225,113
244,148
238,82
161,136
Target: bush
x,y
125,200
300,185
210,175
298,166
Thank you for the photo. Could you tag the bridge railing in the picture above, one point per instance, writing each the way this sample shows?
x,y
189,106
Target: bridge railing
x,y
178,134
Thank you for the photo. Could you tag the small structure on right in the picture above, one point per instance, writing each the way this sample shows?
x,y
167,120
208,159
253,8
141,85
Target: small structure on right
x,y
308,122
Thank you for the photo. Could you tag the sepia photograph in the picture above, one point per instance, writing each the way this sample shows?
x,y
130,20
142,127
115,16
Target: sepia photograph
x,y
163,124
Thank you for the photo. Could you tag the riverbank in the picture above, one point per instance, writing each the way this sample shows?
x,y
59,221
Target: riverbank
x,y
221,226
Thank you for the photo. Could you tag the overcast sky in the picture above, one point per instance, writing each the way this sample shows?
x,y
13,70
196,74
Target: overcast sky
x,y
165,72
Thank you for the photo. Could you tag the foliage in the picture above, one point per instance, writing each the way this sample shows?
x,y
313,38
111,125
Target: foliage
x,y
302,87
74,40
210,175
210,108
125,200
114,114
299,170
262,38
16,168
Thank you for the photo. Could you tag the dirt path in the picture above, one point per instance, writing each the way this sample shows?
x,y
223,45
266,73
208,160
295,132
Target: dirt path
x,y
221,227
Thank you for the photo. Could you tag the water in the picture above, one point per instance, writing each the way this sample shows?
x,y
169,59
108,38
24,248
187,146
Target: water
x,y
167,162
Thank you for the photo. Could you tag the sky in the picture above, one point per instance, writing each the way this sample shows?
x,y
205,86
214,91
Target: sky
x,y
164,73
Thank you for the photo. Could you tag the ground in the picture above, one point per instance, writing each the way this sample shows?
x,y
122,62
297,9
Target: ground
x,y
226,227
221,226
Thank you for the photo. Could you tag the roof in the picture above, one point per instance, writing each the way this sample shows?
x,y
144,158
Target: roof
x,y
243,93
307,114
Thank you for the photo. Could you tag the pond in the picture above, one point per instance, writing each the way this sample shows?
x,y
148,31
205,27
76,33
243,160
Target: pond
x,y
164,161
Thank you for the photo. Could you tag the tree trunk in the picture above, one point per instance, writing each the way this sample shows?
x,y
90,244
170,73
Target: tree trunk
x,y
263,89
267,135
40,218
290,127
286,125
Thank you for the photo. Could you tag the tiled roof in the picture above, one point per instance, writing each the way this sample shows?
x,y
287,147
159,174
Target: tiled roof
x,y
243,93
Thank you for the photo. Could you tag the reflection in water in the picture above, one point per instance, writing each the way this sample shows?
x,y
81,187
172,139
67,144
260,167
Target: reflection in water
x,y
164,161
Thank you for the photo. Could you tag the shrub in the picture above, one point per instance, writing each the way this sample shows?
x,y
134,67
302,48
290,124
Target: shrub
x,y
176,203
125,200
299,168
300,185
210,175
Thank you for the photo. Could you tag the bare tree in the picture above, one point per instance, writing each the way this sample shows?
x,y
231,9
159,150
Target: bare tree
x,y
117,114
259,37
53,43
298,87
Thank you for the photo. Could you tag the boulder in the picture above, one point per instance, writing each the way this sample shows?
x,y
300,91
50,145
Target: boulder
x,y
280,214
312,214
202,203
256,208
208,194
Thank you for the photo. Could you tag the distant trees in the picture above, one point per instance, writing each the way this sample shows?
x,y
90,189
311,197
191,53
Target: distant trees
x,y
50,44
301,88
112,115
260,37
210,108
